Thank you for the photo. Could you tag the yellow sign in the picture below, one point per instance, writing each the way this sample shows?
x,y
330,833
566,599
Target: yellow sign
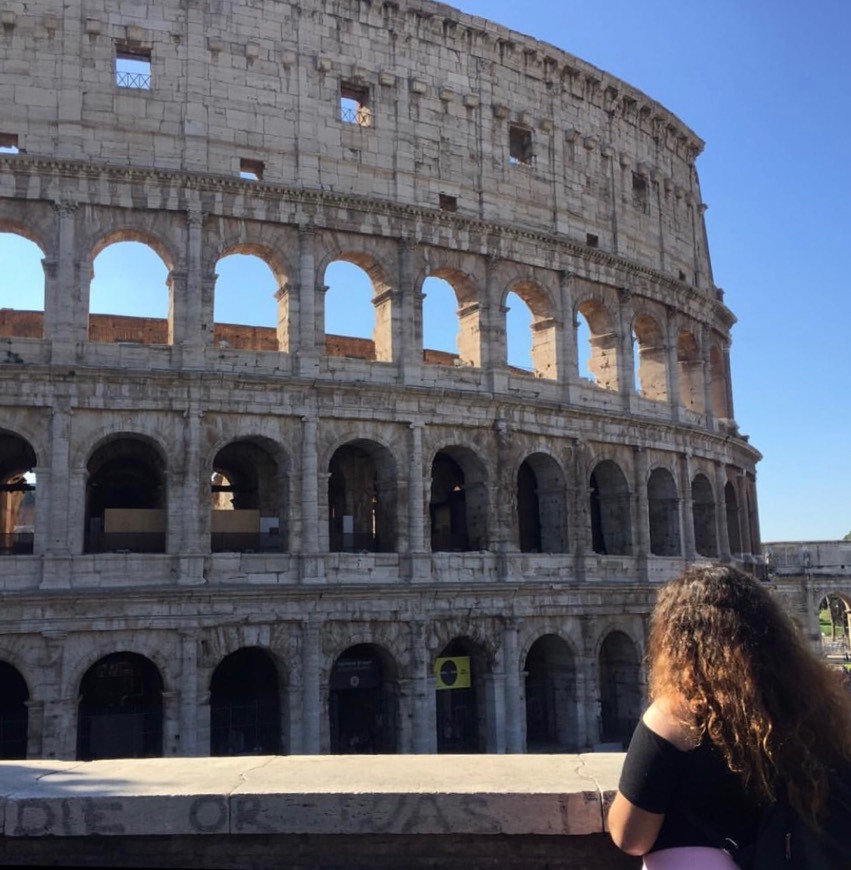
x,y
452,673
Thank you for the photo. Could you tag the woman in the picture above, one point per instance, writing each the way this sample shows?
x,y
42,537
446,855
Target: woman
x,y
743,713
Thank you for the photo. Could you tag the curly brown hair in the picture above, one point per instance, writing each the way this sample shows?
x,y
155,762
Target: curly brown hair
x,y
724,651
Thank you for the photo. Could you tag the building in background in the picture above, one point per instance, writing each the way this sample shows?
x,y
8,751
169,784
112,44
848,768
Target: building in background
x,y
223,538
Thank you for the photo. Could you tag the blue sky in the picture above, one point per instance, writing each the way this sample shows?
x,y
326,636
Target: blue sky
x,y
767,85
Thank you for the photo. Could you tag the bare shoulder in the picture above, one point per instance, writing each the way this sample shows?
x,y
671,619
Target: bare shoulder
x,y
666,718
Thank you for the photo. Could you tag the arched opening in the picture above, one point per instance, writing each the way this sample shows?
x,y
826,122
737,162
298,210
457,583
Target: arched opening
x,y
518,333
541,506
17,495
248,496
663,507
129,295
22,289
703,512
362,499
600,357
620,689
835,625
14,714
440,323
459,502
121,709
531,331
718,383
246,306
358,315
459,673
245,705
551,724
451,323
692,394
652,359
363,702
611,525
125,498
734,532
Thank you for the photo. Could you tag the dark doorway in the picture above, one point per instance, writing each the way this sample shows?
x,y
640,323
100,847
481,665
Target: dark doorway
x,y
245,707
550,697
620,690
13,713
363,702
121,709
459,683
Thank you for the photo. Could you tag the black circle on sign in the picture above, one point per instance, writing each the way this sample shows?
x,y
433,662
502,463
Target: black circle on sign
x,y
449,673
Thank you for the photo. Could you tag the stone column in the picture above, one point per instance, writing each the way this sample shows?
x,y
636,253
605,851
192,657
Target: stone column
x,y
171,723
588,687
721,513
705,349
642,511
59,732
66,291
494,686
188,736
582,543
728,381
503,498
743,499
35,729
407,314
514,736
569,358
310,696
492,329
53,488
303,321
673,364
423,692
626,363
188,330
687,512
309,487
416,491
188,498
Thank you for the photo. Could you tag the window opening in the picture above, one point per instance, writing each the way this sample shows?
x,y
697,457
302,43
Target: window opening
x,y
350,321
440,323
354,105
447,203
459,678
22,288
518,328
551,723
592,240
640,198
9,143
251,170
664,513
133,68
520,145
14,713
620,693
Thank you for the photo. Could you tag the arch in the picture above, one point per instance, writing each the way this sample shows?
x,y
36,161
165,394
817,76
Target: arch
x,y
17,495
362,498
734,532
703,512
551,711
245,705
440,322
246,306
248,498
460,671
835,618
130,292
620,688
541,505
120,709
22,289
690,364
467,318
651,365
126,497
459,501
14,713
611,523
663,506
363,703
602,360
358,309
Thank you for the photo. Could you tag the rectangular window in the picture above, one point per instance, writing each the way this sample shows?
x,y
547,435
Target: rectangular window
x,y
519,145
447,202
640,198
8,143
251,170
354,105
133,68
591,240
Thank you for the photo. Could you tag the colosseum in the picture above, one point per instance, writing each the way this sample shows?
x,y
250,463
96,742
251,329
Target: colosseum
x,y
222,538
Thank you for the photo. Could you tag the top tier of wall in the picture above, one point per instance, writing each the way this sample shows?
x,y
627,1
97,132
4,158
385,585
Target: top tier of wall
x,y
261,81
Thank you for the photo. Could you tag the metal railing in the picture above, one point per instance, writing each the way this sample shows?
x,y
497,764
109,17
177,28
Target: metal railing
x,y
139,81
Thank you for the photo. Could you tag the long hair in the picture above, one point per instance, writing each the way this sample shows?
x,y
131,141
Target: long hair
x,y
745,677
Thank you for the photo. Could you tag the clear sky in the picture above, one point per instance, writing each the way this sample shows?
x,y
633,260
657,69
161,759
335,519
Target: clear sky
x,y
767,85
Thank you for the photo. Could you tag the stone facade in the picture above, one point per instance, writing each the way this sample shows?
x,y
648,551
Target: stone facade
x,y
391,506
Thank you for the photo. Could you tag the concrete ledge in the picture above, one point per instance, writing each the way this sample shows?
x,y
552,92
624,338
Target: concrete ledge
x,y
377,803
